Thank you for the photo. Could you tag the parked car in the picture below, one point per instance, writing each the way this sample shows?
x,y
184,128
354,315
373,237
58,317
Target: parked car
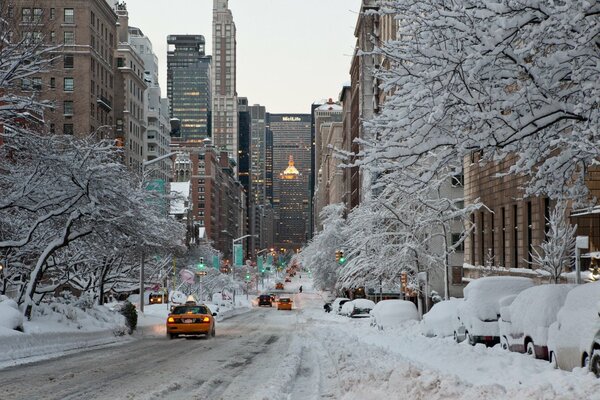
x,y
388,313
284,303
574,338
524,323
439,321
265,300
478,313
336,305
191,319
357,308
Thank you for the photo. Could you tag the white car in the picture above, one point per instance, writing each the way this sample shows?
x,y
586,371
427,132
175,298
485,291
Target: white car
x,y
439,321
389,313
337,304
478,313
574,339
357,308
524,324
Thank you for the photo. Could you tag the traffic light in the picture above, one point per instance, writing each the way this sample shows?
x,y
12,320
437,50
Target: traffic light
x,y
337,256
342,258
247,276
201,264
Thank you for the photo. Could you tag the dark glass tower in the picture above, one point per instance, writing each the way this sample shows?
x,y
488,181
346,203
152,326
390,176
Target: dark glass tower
x,y
188,85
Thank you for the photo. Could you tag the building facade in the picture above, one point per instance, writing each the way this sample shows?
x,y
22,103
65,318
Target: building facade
x,y
291,210
224,92
81,84
289,135
130,104
189,86
158,139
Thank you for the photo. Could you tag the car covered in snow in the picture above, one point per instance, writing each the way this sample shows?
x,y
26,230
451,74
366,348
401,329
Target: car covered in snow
x,y
478,313
336,305
357,308
524,323
389,313
439,321
574,338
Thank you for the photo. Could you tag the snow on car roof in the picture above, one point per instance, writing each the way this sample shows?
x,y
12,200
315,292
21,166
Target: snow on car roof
x,y
482,295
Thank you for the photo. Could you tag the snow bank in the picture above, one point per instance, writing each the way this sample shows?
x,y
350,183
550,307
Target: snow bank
x,y
11,317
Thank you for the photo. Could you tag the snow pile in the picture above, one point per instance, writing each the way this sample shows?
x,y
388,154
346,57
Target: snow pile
x,y
11,318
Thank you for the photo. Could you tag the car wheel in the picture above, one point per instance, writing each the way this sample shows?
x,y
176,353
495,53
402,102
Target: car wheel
x,y
470,338
172,335
585,361
212,333
530,349
595,363
456,339
553,360
504,343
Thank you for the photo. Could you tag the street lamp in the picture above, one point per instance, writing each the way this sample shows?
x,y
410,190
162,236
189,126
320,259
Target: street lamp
x,y
144,165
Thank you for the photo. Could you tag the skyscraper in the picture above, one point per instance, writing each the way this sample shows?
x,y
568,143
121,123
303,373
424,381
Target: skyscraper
x,y
189,86
224,107
291,211
289,135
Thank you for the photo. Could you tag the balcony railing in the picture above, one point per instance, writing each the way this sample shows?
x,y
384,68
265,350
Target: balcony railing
x,y
104,103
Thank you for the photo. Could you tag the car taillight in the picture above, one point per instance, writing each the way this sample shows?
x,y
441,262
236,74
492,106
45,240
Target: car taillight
x,y
171,319
205,319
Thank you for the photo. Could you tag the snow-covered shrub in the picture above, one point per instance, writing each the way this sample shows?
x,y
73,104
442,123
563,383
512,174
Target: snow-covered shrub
x,y
130,313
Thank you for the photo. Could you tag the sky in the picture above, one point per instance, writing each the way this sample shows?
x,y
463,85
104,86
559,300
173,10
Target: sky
x,y
350,359
291,53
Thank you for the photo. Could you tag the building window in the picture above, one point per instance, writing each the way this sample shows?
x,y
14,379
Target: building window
x,y
458,180
456,239
52,83
52,13
37,15
36,83
69,16
52,37
26,15
69,84
69,37
68,129
457,274
26,84
69,61
52,128
68,107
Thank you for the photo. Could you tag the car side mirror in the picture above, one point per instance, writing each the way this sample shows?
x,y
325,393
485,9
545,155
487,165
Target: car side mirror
x,y
214,314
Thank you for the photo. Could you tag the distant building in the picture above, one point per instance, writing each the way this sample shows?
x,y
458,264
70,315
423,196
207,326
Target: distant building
x,y
158,139
189,86
288,135
130,102
329,180
291,210
224,93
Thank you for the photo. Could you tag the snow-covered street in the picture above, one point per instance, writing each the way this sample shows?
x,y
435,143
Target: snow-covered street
x,y
303,354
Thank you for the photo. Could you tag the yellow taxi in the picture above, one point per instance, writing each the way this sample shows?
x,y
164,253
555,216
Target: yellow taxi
x,y
190,319
279,286
284,303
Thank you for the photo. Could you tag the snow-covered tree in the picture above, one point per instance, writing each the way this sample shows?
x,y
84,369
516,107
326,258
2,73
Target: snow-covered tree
x,y
556,252
501,78
319,254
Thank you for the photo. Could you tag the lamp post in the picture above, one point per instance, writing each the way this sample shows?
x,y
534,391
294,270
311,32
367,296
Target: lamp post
x,y
144,165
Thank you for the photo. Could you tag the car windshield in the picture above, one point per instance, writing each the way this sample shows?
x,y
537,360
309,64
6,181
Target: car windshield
x,y
190,310
284,300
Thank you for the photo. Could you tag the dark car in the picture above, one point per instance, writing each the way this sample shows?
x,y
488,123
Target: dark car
x,y
265,300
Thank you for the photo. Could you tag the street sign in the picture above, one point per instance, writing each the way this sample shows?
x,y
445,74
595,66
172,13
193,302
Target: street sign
x,y
216,262
238,255
269,259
